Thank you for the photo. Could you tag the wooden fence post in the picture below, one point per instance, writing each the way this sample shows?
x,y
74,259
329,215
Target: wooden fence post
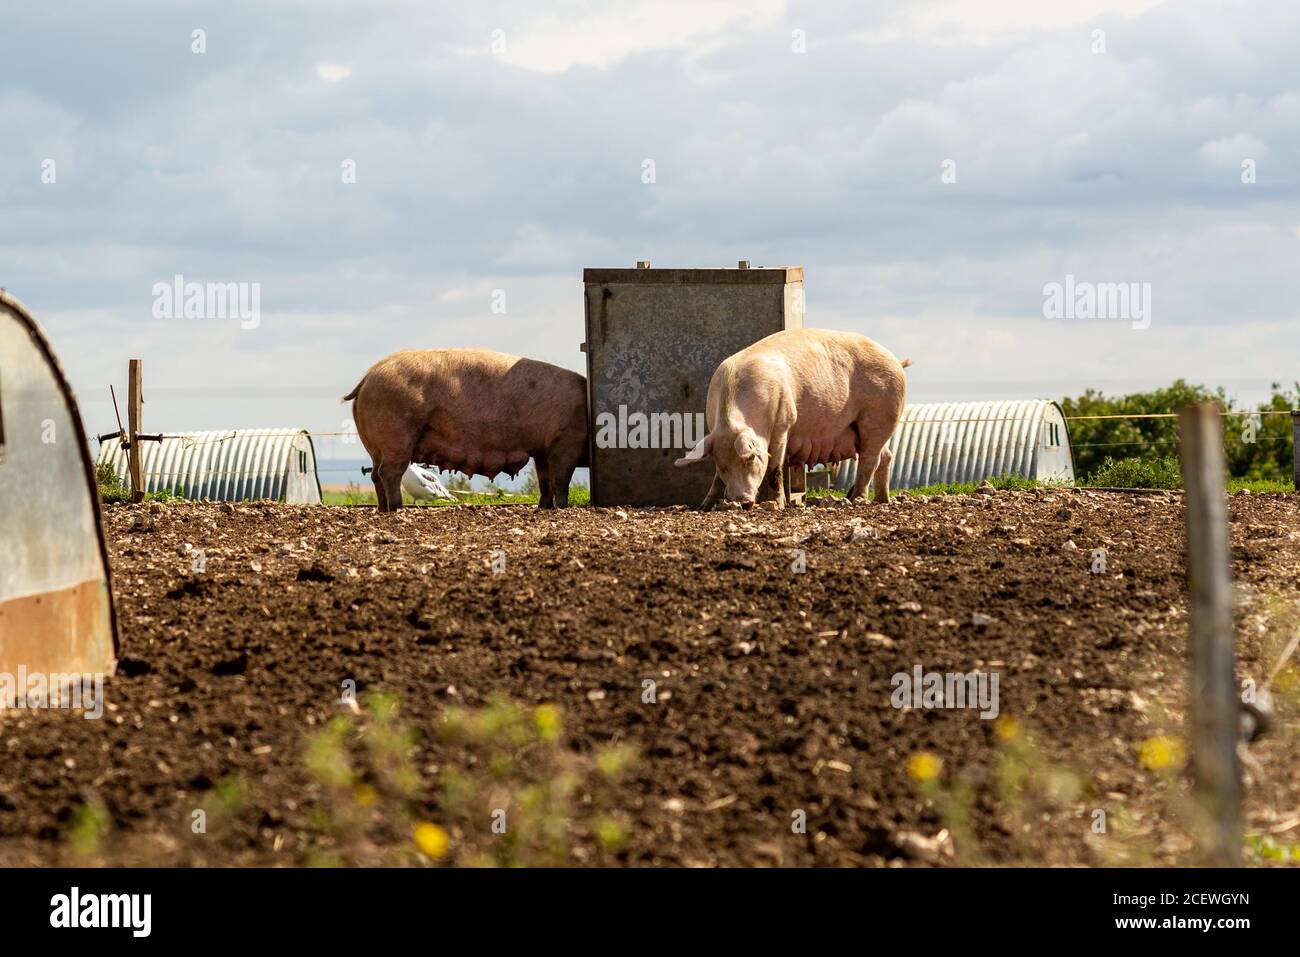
x,y
1295,446
134,413
1214,708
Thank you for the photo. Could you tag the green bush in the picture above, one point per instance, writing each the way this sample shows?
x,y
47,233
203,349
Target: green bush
x,y
1137,473
1097,441
111,487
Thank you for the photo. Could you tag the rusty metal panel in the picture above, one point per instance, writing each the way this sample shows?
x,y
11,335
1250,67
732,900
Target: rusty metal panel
x,y
227,466
56,606
654,339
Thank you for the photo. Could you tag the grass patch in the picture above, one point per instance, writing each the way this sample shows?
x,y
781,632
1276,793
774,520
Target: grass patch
x,y
579,495
1259,485
1003,483
112,489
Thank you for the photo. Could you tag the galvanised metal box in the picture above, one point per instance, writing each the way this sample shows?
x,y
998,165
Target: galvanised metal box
x,y
654,339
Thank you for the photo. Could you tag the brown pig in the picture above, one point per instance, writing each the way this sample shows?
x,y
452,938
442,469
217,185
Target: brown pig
x,y
471,411
800,397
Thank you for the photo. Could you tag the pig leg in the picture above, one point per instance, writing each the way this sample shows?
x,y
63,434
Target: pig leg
x,y
375,458
545,490
871,443
560,482
773,488
880,480
391,477
380,498
562,459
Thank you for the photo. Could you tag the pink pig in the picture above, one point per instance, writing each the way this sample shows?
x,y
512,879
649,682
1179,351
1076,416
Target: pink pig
x,y
471,411
800,397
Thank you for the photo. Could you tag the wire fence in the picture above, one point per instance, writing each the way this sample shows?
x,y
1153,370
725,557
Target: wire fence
x,y
349,437
190,440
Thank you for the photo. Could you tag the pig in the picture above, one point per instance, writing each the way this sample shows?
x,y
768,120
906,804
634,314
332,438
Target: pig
x,y
472,411
800,397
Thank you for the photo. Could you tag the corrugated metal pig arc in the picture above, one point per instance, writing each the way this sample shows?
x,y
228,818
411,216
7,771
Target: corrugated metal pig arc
x,y
936,443
230,465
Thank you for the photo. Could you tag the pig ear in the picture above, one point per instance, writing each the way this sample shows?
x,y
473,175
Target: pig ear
x,y
702,448
746,445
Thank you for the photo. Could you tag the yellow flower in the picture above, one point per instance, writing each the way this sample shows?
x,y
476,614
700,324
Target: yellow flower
x,y
613,761
431,840
366,795
547,719
1161,753
1288,679
924,767
1006,728
609,833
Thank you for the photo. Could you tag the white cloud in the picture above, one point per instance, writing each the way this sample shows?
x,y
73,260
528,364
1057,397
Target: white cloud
x,y
990,22
602,34
333,72
1231,150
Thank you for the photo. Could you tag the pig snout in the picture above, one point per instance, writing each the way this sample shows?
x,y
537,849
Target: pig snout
x,y
744,496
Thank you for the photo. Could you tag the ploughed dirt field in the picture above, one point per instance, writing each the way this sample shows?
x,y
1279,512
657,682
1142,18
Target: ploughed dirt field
x,y
701,701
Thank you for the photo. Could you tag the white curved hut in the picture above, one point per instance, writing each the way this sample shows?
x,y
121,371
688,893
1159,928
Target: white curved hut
x,y
939,442
227,466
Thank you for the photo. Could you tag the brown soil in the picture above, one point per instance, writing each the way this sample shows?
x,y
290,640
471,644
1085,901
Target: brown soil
x,y
773,688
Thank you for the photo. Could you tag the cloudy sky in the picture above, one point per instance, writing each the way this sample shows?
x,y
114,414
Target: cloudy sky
x,y
501,146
